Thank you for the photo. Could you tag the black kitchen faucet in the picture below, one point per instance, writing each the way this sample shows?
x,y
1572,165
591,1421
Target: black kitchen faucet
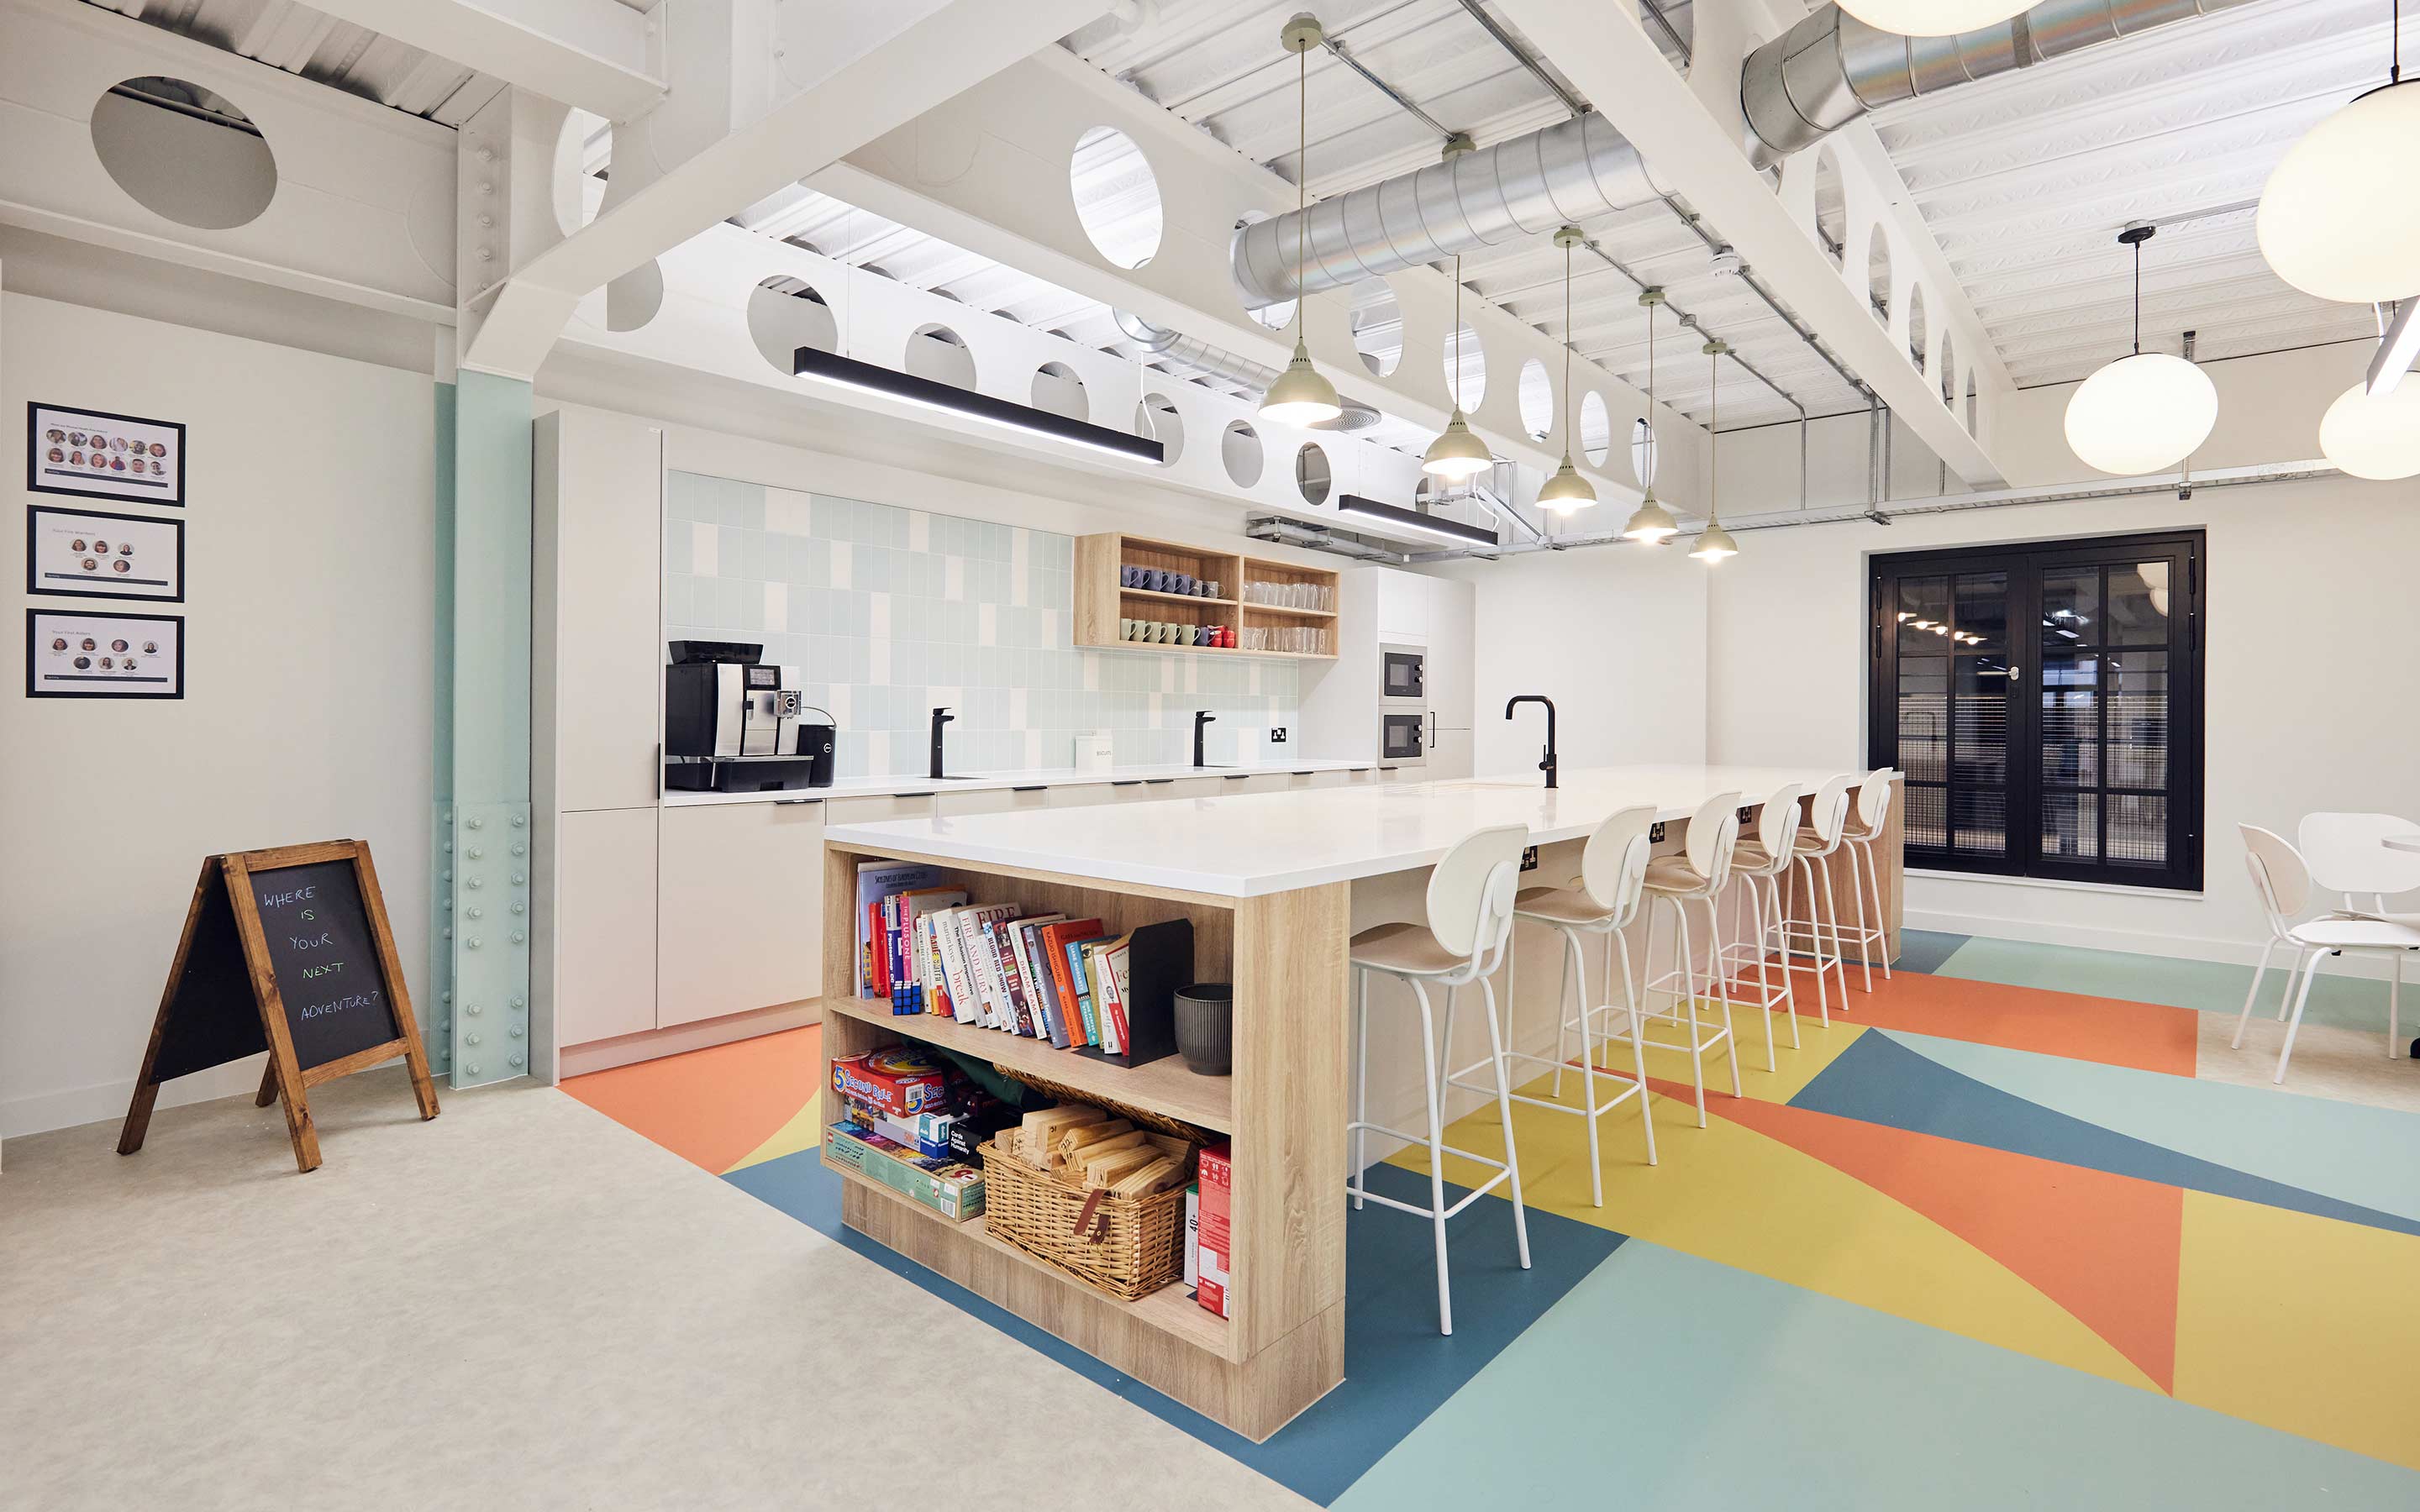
x,y
940,717
1200,717
1547,765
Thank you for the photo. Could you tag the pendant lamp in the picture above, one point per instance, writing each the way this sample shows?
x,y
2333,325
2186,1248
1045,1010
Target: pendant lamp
x,y
2374,435
1457,455
1716,543
2146,411
1300,397
1567,490
2337,217
1651,523
1933,18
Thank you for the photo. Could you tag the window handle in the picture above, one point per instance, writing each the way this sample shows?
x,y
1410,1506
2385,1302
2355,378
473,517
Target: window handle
x,y
2016,673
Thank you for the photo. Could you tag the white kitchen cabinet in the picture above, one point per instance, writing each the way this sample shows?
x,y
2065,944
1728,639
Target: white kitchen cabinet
x,y
1403,605
867,811
596,579
1453,621
604,924
951,801
1448,756
740,912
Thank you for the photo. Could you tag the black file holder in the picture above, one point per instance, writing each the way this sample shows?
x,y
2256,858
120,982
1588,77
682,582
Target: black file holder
x,y
1159,964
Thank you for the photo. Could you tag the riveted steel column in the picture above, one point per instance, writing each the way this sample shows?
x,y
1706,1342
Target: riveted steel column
x,y
483,859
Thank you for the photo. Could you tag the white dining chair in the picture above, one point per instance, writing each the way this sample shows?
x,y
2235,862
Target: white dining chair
x,y
1824,832
1697,875
1469,912
1862,838
2283,882
2347,856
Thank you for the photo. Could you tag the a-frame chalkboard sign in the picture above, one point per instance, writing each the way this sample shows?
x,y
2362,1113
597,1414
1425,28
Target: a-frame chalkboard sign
x,y
284,951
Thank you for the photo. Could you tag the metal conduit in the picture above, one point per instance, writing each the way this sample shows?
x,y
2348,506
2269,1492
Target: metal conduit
x,y
1194,352
1822,73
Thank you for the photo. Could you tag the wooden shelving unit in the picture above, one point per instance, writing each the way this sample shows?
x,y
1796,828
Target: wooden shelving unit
x,y
1102,601
1281,1112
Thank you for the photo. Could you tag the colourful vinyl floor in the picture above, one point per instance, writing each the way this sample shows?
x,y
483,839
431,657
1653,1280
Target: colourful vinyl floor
x,y
1986,1241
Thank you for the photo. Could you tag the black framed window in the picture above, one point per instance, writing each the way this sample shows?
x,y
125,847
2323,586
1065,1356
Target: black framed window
x,y
2043,701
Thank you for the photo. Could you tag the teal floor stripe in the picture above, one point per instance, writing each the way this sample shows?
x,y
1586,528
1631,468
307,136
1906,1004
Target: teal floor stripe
x,y
2207,986
1666,1381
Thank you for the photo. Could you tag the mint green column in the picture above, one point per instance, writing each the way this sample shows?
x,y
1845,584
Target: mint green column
x,y
482,864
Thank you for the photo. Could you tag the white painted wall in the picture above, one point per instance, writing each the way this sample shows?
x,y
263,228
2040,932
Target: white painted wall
x,y
309,554
2313,615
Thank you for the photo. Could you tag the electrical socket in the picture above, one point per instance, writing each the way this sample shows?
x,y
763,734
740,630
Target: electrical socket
x,y
1529,857
1276,734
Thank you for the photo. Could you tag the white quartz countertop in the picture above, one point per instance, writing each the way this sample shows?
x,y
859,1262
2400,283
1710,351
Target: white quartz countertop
x,y
1053,777
1245,845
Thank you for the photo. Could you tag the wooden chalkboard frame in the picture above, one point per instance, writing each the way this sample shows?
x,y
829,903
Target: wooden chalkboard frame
x,y
285,1074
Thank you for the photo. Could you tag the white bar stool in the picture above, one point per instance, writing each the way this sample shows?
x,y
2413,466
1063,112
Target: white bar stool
x,y
1862,836
1469,920
1762,861
1696,875
2284,884
1811,854
1603,901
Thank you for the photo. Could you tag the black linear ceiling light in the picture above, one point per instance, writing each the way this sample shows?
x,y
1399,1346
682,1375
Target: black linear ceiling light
x,y
948,398
1353,506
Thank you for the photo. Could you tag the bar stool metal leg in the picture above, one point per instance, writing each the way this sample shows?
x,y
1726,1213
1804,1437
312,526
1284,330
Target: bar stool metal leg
x,y
1504,1110
1722,984
1437,1156
1614,945
1578,963
1686,964
1362,1093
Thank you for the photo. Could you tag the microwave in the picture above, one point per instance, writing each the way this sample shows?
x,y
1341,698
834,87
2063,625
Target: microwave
x,y
1403,739
1404,674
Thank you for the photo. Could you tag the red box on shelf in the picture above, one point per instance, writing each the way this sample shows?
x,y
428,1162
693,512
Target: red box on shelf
x,y
899,1080
1217,1181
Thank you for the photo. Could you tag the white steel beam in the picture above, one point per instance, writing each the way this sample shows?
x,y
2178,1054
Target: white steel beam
x,y
837,75
598,54
988,171
1692,132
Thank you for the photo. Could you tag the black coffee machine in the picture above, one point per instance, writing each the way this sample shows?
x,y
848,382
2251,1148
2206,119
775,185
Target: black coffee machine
x,y
734,724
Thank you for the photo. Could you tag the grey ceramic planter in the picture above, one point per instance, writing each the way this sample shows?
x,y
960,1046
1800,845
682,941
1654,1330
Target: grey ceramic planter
x,y
1206,1027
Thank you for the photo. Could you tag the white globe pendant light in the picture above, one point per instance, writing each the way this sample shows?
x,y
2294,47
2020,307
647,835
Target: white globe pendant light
x,y
1300,395
2337,219
1932,17
2146,411
1567,491
2374,436
1457,455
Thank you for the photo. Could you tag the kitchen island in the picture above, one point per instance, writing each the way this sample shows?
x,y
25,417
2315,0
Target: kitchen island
x,y
1274,884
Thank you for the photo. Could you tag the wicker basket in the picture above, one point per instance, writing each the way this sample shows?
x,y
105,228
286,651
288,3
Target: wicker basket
x,y
1127,1247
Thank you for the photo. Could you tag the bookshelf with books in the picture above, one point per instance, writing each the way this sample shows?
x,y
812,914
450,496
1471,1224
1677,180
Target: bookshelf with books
x,y
1281,1346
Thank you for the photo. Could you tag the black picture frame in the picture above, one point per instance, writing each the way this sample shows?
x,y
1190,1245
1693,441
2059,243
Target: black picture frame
x,y
32,633
173,499
33,533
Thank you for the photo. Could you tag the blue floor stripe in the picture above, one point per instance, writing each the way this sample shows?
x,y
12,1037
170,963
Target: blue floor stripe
x,y
1880,1080
1397,1368
1924,950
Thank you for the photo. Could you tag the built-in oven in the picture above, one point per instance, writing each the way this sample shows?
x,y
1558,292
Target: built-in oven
x,y
1404,674
1402,738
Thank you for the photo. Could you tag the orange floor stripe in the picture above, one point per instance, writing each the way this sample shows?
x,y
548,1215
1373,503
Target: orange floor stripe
x,y
711,1106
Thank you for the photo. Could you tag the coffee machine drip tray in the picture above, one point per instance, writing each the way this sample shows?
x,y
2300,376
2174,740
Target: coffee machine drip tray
x,y
738,774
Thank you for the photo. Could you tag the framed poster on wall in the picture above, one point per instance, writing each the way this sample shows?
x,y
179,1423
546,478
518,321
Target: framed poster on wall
x,y
69,654
89,553
96,455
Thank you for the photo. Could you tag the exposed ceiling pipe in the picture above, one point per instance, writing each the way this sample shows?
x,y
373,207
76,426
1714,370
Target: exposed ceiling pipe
x,y
1277,529
1831,68
1188,351
1817,77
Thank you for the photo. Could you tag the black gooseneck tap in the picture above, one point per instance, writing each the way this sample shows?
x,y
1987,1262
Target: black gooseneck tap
x,y
940,717
1547,765
1200,717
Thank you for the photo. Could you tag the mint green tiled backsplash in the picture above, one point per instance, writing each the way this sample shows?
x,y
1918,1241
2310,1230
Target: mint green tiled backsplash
x,y
888,613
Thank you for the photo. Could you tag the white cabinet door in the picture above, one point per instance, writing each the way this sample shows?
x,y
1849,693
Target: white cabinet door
x,y
740,916
1453,611
1403,605
949,801
1448,756
598,574
604,924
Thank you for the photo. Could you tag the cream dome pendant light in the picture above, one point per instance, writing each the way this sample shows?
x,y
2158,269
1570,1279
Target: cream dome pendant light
x,y
1932,17
1300,397
2337,219
1716,543
1567,490
1457,455
1651,523
2146,411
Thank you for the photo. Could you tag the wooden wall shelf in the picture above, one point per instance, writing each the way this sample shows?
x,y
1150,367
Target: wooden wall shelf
x,y
1102,601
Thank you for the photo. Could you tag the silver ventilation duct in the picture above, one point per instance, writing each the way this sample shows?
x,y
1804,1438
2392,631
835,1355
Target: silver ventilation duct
x,y
1187,351
1800,87
1832,68
1576,171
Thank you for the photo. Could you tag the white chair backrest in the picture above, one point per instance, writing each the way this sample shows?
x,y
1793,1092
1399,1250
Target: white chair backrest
x,y
1470,893
1873,800
2345,856
1713,829
1613,866
2279,874
1776,823
1829,813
